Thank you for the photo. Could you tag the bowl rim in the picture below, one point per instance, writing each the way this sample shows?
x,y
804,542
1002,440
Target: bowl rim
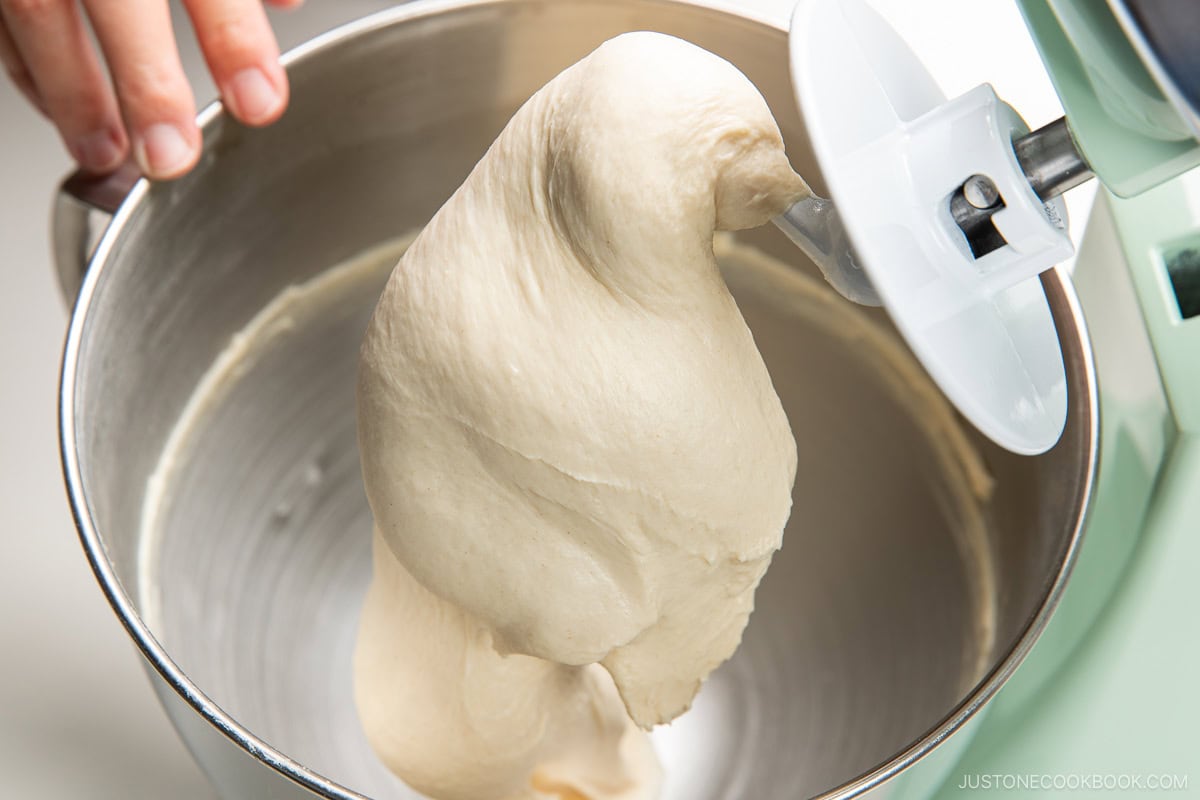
x,y
208,119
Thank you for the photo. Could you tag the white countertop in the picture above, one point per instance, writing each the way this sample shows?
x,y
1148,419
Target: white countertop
x,y
77,716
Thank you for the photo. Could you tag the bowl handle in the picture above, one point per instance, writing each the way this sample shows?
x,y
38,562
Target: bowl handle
x,y
82,210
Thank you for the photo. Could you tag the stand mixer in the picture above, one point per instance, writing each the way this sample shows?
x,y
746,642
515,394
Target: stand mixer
x,y
853,675
949,212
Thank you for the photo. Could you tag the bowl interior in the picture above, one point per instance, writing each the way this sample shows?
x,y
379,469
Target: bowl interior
x,y
916,556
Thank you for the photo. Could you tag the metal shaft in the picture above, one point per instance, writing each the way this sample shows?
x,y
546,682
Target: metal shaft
x,y
1050,160
1051,163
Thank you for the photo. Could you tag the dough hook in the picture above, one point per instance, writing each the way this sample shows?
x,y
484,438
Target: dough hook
x,y
814,225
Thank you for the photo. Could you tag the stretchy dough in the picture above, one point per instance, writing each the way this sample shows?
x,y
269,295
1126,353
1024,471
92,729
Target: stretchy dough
x,y
576,460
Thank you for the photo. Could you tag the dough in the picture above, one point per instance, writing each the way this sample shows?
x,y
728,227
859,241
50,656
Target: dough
x,y
578,466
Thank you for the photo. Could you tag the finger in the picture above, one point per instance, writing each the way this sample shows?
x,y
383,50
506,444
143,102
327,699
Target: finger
x,y
285,3
155,97
52,44
242,56
15,67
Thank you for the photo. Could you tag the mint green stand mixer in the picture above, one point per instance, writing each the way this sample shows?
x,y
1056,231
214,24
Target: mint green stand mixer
x,y
950,212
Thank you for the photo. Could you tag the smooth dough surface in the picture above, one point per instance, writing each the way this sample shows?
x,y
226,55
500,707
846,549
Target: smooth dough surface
x,y
578,466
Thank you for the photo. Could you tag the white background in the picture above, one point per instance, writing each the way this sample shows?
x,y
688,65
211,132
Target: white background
x,y
77,717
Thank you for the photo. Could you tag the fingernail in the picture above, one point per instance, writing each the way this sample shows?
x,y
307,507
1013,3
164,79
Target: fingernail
x,y
98,151
252,96
162,151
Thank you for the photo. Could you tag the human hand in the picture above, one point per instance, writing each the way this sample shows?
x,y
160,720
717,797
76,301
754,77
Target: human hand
x,y
148,106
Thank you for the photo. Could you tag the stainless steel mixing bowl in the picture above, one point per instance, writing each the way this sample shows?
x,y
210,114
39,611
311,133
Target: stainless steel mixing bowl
x,y
887,620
